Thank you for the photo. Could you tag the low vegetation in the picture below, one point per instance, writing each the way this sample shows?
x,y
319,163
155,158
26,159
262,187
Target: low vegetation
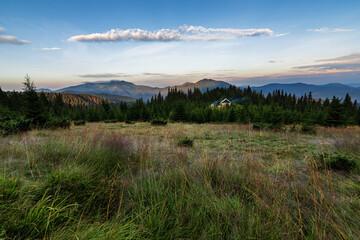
x,y
138,181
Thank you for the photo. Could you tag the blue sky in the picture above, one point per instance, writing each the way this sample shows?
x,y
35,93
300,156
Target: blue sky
x,y
161,43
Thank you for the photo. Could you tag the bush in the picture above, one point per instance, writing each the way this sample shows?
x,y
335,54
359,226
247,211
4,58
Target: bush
x,y
185,142
158,123
307,128
129,122
15,126
110,121
338,161
79,122
54,123
6,114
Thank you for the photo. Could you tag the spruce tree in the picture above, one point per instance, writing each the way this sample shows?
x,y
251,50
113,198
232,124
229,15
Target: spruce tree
x,y
3,98
335,113
180,114
232,115
32,107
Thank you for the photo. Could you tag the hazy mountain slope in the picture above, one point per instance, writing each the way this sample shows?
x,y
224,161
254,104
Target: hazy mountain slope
x,y
318,91
132,90
203,85
114,87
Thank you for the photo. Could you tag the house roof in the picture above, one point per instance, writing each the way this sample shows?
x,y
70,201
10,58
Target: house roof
x,y
225,101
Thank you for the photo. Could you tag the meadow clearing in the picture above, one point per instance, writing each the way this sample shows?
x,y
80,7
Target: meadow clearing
x,y
180,181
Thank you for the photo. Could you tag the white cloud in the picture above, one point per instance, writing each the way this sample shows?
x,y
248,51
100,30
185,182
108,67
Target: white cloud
x,y
50,49
326,30
183,33
10,39
103,75
351,57
281,34
349,62
275,61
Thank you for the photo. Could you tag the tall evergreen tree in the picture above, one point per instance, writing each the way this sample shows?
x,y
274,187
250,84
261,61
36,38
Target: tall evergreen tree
x,y
180,114
32,107
335,113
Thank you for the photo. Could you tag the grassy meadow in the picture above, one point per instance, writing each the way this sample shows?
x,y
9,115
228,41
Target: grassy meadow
x,y
180,181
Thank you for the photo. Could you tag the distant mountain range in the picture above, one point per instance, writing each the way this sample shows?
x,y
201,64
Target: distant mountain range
x,y
127,91
317,91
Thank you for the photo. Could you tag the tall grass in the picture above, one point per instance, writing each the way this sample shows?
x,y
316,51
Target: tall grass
x,y
100,184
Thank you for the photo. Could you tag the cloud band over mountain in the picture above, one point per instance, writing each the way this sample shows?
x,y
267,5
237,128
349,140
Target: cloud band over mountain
x,y
183,33
344,63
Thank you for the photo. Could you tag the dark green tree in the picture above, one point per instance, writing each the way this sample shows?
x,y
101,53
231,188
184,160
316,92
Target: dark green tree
x,y
180,114
336,116
232,115
32,107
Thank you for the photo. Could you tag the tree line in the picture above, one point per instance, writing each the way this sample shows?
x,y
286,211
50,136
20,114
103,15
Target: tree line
x,y
20,111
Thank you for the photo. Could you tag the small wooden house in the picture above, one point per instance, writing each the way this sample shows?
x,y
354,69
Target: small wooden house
x,y
225,102
219,104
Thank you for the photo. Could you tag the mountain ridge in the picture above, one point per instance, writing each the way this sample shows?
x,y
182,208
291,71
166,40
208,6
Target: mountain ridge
x,y
128,89
318,91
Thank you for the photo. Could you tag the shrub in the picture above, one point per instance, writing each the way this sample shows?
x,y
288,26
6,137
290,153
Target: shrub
x,y
338,161
307,128
15,126
129,122
185,142
6,114
110,121
54,123
158,122
79,122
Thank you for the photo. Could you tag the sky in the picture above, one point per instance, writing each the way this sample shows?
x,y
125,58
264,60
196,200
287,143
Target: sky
x,y
164,43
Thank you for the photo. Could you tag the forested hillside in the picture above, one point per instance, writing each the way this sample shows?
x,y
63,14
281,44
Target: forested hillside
x,y
76,99
274,110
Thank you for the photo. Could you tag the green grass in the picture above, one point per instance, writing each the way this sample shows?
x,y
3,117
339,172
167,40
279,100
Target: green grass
x,y
118,181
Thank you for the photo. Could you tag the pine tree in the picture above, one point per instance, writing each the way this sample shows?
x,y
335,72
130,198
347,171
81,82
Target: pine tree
x,y
180,114
232,115
3,98
32,107
335,113
93,115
